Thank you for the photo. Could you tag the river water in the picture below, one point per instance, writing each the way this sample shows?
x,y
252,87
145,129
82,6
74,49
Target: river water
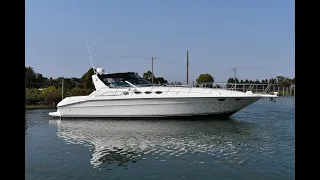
x,y
255,143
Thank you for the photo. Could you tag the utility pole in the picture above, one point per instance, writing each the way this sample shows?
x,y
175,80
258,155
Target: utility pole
x,y
152,70
235,74
187,67
152,67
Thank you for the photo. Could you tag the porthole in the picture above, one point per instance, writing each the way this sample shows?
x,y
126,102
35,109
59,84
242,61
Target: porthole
x,y
237,99
221,99
158,92
137,92
148,92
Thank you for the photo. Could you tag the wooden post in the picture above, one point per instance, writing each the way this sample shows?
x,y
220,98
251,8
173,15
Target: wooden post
x,y
290,89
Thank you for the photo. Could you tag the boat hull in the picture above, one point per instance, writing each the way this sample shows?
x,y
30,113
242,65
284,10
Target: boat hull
x,y
157,107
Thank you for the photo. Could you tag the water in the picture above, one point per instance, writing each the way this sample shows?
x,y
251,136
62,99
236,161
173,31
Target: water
x,y
256,143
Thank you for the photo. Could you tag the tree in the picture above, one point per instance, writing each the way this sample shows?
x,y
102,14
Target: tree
x,y
148,76
52,94
230,80
283,81
293,81
272,81
205,78
160,79
29,75
86,79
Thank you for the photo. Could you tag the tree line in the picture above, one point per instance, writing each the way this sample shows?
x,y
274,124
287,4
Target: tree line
x,y
279,80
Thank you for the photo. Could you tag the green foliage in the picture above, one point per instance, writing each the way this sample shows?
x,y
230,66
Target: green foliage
x,y
32,94
87,79
160,79
52,94
283,81
29,74
148,76
205,78
231,80
78,92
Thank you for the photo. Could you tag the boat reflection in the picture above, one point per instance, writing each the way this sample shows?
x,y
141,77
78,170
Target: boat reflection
x,y
123,141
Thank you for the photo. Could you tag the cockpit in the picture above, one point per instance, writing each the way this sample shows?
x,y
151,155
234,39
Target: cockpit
x,y
117,80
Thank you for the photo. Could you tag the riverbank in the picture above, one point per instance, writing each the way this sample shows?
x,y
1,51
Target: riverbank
x,y
39,107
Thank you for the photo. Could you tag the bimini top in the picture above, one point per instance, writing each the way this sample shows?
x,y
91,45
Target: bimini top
x,y
117,75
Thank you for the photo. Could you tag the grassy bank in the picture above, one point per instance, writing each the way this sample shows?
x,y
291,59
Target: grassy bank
x,y
39,107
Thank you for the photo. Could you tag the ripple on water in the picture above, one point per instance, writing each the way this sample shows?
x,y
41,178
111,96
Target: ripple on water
x,y
258,142
123,146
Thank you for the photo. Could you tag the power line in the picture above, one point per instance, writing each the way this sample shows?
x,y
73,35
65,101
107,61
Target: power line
x,y
99,56
109,57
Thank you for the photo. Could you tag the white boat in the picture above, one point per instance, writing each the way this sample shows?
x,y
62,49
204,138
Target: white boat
x,y
128,95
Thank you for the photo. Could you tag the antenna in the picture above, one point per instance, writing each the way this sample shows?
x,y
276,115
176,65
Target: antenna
x,y
94,70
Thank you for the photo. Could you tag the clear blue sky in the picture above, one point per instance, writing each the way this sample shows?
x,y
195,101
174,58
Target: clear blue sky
x,y
255,35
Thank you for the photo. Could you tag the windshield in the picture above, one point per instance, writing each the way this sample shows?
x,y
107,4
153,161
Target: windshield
x,y
118,80
137,80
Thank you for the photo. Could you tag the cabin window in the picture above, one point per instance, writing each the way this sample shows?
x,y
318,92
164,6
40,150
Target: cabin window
x,y
220,99
158,92
148,92
137,92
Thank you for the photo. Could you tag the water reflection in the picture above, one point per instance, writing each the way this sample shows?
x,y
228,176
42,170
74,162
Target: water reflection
x,y
123,141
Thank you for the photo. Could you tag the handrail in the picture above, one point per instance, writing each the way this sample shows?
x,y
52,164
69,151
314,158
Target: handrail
x,y
267,89
233,88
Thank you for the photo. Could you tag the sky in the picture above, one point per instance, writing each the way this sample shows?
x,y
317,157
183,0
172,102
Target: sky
x,y
257,37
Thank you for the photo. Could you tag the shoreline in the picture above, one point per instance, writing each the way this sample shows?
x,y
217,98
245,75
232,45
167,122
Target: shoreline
x,y
39,107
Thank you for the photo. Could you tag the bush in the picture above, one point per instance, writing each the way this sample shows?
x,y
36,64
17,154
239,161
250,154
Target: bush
x,y
32,96
52,94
